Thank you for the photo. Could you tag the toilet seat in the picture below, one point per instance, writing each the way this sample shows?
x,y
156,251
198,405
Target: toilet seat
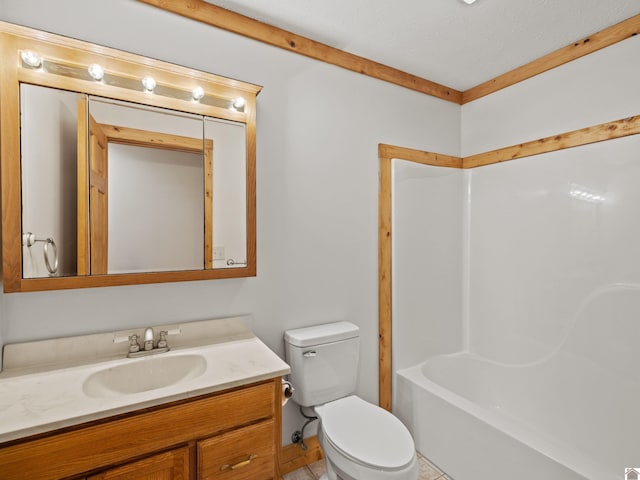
x,y
366,434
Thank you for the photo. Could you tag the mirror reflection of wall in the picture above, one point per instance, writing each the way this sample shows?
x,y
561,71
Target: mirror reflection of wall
x,y
156,207
155,191
229,192
48,147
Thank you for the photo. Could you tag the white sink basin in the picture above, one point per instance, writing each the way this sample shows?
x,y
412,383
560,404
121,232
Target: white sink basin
x,y
144,374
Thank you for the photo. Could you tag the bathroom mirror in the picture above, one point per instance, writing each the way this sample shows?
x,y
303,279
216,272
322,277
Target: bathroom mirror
x,y
117,169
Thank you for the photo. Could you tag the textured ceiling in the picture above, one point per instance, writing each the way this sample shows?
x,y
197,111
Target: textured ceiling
x,y
445,41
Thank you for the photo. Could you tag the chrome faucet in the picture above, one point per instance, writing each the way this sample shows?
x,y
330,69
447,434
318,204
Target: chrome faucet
x,y
148,339
149,345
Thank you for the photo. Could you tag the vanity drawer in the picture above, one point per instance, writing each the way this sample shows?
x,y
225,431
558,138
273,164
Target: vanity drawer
x,y
244,454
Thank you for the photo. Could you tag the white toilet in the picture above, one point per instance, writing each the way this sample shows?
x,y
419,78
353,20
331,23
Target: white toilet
x,y
361,441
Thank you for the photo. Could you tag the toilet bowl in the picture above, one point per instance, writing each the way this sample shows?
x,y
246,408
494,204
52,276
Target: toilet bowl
x,y
360,441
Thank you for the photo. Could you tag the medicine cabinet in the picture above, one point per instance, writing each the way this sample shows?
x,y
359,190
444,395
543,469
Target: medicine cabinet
x,y
119,169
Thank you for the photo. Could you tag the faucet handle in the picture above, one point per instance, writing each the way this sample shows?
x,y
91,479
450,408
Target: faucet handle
x,y
134,346
162,341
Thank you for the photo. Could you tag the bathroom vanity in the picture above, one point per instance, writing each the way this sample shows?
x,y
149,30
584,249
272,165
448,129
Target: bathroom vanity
x,y
221,422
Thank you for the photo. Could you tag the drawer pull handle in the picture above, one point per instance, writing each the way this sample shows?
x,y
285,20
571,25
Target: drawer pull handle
x,y
241,464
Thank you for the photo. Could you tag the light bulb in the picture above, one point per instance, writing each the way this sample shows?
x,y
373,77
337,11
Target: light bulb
x,y
31,59
468,2
96,72
149,83
238,103
197,93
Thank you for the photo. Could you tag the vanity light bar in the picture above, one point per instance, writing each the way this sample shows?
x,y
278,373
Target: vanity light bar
x,y
95,73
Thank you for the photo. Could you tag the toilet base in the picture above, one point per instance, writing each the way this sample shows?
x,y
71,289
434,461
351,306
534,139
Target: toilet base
x,y
338,466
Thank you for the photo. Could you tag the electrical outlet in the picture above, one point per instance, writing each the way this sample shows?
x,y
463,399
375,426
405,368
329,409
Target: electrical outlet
x,y
218,253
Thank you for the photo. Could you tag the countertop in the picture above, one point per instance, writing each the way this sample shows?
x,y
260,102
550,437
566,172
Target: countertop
x,y
41,397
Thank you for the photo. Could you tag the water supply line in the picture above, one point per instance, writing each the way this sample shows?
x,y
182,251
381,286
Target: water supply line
x,y
298,435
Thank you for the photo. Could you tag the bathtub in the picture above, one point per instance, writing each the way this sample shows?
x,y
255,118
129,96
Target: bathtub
x,y
562,418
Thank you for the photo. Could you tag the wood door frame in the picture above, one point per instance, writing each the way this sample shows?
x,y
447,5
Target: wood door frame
x,y
386,153
163,141
98,208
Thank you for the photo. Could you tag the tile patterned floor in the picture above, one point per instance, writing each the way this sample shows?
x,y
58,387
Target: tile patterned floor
x,y
428,471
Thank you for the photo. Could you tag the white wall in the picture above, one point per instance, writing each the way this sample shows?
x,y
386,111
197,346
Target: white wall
x,y
540,249
49,157
156,212
317,184
594,89
229,192
427,278
539,254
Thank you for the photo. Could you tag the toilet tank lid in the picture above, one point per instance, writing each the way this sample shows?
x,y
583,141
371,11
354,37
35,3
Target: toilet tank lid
x,y
321,334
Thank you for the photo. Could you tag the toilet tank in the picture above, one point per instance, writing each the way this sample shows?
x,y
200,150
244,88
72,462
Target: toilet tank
x,y
323,361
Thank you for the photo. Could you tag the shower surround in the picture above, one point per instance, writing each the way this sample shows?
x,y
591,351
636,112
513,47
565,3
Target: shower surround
x,y
516,350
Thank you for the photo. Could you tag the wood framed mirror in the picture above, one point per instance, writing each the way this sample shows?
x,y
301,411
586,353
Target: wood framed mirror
x,y
119,169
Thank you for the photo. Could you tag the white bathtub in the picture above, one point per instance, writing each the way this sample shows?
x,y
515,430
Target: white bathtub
x,y
563,418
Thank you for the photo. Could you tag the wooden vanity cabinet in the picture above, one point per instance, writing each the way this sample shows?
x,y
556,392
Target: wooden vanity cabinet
x,y
228,435
172,465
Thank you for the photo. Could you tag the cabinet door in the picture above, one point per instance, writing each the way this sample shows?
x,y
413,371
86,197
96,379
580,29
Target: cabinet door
x,y
244,454
172,465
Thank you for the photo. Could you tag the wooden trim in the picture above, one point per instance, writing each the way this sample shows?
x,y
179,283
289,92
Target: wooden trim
x,y
242,25
576,138
385,154
418,156
384,283
248,27
114,280
605,38
10,170
146,138
293,456
82,183
277,428
208,203
252,248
